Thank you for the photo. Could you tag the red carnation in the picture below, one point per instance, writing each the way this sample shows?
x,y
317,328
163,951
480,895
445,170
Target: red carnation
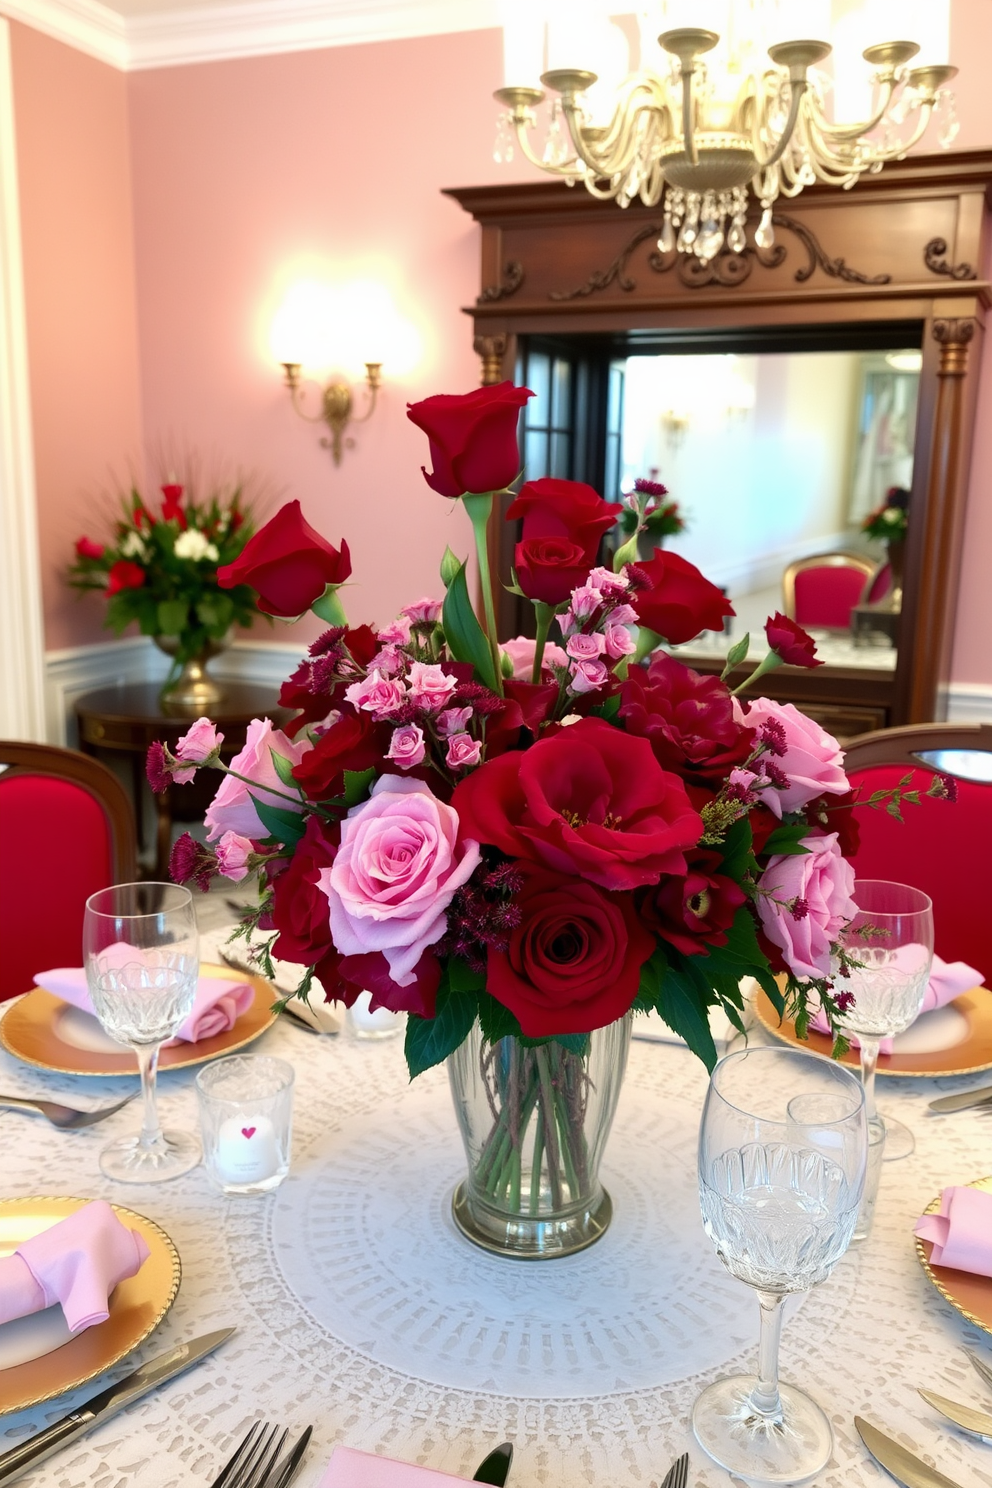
x,y
791,642
155,768
473,438
694,910
124,575
87,548
288,564
677,602
687,717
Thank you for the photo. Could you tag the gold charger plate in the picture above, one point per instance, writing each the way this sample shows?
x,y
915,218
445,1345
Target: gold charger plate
x,y
969,1294
137,1305
973,1053
30,1030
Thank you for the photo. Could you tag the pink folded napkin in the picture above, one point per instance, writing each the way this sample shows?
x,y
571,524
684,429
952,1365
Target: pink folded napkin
x,y
216,1007
76,1262
350,1469
948,979
961,1232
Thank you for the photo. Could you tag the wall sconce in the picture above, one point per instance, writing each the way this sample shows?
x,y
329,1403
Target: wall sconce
x,y
337,405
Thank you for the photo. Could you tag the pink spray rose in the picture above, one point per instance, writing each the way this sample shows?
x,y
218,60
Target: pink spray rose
x,y
396,633
805,899
377,695
199,742
812,758
430,687
587,676
619,642
452,721
423,612
521,653
406,747
395,874
585,647
232,856
232,809
463,751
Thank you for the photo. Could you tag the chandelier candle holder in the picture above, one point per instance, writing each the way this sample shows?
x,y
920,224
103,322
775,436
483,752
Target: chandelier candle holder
x,y
698,132
336,405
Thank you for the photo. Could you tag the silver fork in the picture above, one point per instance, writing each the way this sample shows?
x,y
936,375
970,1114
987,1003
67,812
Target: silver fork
x,y
66,1118
250,1465
678,1474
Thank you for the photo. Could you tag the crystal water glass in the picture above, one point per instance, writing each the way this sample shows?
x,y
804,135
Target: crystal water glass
x,y
782,1152
891,939
141,953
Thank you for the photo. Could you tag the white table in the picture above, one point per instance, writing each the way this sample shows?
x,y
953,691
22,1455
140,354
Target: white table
x,y
358,1307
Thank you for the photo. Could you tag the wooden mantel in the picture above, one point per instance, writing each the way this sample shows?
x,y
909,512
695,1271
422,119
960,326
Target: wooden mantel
x,y
911,244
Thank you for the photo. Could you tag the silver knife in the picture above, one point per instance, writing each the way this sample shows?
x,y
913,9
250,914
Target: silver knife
x,y
985,1370
978,1422
101,1407
962,1101
904,1466
494,1468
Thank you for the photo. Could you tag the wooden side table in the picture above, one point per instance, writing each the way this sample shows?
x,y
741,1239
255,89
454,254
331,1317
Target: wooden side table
x,y
125,720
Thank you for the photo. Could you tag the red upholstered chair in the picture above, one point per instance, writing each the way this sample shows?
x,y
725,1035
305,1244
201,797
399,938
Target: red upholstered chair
x,y
878,586
940,847
66,830
822,591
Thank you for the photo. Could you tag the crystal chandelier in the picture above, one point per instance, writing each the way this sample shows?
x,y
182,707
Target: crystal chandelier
x,y
702,122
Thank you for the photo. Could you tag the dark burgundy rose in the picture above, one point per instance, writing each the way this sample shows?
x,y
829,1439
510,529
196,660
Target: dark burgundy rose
x,y
370,973
587,800
837,814
693,911
536,700
549,568
574,961
563,524
763,823
686,716
300,910
473,438
677,602
353,743
288,564
795,647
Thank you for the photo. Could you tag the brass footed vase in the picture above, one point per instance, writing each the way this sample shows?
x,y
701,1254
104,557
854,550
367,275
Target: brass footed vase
x,y
192,690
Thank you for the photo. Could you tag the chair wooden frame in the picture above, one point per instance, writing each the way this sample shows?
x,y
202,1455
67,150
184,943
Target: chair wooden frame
x,y
904,745
865,566
102,784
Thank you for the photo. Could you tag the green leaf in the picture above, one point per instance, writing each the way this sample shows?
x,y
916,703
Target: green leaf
x,y
286,827
683,1006
463,979
356,785
787,840
429,1041
736,848
328,607
575,1043
216,612
736,655
495,1020
465,637
449,567
173,615
283,768
610,708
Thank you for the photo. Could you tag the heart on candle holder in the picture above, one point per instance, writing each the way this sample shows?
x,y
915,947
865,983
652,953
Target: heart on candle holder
x,y
248,1131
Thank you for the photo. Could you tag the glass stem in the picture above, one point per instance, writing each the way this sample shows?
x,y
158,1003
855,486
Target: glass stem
x,y
151,1133
869,1060
765,1398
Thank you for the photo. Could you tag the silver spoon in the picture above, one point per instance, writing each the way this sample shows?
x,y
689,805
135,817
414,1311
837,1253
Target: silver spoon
x,y
66,1118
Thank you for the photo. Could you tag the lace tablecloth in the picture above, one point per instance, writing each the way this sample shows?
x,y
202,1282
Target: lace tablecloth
x,y
360,1309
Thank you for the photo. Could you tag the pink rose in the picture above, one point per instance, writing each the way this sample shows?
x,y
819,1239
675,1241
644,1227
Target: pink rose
x,y
232,808
388,661
397,633
452,721
463,751
199,742
423,612
521,653
812,759
585,601
585,647
430,687
232,856
587,676
608,583
376,695
395,874
619,642
804,902
624,614
406,747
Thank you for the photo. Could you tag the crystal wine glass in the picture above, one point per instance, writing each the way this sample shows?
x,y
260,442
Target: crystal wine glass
x,y
141,952
891,937
782,1151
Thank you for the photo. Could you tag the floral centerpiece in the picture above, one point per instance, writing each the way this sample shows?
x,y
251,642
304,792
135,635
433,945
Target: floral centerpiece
x,y
647,511
521,847
889,523
159,569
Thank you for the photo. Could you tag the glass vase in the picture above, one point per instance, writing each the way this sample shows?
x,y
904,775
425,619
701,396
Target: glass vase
x,y
535,1121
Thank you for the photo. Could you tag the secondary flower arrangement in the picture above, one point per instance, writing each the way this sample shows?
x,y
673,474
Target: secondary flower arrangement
x,y
660,518
525,843
159,567
890,521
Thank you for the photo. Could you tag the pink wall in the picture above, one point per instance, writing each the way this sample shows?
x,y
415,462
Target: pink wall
x,y
75,197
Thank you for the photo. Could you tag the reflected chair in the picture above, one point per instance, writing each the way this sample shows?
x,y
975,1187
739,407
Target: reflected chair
x,y
878,586
821,591
66,830
939,847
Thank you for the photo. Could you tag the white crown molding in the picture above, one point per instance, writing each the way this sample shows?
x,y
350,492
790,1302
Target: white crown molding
x,y
86,25
248,28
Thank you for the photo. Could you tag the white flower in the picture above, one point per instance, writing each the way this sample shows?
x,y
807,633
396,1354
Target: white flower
x,y
211,552
133,546
192,544
891,514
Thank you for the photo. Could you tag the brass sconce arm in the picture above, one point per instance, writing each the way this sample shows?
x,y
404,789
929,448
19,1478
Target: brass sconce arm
x,y
336,405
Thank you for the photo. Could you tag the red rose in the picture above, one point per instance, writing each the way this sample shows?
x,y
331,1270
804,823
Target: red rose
x,y
353,743
687,717
564,522
300,910
87,548
473,438
588,800
370,973
288,564
124,575
694,911
171,504
795,647
574,962
679,602
836,814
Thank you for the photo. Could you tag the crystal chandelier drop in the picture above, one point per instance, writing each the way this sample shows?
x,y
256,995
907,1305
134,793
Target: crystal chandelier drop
x,y
703,122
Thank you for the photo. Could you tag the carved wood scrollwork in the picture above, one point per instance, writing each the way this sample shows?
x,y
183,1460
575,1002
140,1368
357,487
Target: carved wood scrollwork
x,y
513,277
492,350
933,257
728,269
953,337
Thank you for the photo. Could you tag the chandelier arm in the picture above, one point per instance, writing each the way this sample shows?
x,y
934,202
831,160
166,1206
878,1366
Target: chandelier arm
x,y
564,168
853,131
788,129
688,129
614,153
